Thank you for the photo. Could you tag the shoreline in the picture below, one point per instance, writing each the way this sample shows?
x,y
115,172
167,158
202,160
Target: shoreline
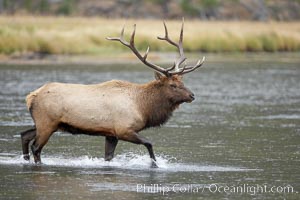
x,y
34,59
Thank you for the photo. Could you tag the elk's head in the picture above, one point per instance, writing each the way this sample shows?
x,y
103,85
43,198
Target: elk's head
x,y
173,89
169,78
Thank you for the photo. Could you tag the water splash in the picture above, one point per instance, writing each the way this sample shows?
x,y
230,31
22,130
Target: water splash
x,y
128,161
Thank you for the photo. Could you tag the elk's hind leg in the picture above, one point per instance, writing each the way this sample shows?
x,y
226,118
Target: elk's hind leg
x,y
26,137
41,138
110,146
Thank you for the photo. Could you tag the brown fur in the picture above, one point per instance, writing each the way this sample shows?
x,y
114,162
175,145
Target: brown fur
x,y
156,104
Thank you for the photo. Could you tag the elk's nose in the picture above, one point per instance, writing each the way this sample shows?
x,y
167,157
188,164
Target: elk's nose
x,y
192,96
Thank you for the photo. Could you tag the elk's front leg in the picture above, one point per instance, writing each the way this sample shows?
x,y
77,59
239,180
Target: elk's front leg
x,y
138,139
110,146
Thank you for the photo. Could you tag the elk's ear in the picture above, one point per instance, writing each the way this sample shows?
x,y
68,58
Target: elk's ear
x,y
158,76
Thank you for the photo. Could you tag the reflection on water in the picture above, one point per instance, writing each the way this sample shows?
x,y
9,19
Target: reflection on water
x,y
243,128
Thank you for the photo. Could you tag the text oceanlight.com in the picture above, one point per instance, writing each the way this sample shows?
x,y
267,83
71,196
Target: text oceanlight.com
x,y
214,188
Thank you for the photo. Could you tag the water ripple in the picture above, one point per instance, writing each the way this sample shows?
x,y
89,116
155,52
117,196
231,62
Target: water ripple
x,y
124,161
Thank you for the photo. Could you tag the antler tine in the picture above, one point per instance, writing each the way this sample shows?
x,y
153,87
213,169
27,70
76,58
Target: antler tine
x,y
166,32
182,57
192,68
178,45
132,36
122,33
171,68
166,37
181,33
146,54
120,39
181,39
137,53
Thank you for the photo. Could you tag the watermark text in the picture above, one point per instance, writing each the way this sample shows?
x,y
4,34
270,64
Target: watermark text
x,y
215,188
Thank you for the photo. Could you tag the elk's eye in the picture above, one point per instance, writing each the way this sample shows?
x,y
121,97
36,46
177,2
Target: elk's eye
x,y
173,86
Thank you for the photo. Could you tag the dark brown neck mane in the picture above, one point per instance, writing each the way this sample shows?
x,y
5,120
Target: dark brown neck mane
x,y
155,105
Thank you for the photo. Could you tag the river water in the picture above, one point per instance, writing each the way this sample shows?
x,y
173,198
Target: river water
x,y
240,138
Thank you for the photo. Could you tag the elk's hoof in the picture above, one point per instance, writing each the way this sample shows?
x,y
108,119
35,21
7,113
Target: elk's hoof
x,y
38,163
108,158
153,164
26,157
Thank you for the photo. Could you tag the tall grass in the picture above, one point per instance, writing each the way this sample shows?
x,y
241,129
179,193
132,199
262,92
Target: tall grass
x,y
59,35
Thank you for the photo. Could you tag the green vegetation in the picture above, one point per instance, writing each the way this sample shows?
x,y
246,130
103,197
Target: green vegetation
x,y
187,7
67,7
59,35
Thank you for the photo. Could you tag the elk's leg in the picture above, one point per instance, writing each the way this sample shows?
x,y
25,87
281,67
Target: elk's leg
x,y
138,139
41,139
26,137
110,146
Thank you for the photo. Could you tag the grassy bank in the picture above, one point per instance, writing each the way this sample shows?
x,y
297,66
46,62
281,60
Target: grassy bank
x,y
58,35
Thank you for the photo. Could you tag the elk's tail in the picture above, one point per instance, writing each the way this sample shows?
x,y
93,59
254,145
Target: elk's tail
x,y
30,101
26,137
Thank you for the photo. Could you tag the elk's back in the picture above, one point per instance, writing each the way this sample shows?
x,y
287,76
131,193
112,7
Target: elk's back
x,y
107,107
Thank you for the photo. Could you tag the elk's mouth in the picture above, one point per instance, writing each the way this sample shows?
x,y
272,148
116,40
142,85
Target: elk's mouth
x,y
191,98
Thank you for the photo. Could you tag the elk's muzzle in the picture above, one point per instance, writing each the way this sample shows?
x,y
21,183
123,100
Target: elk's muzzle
x,y
191,97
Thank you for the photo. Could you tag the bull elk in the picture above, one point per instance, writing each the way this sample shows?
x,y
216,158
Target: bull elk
x,y
118,110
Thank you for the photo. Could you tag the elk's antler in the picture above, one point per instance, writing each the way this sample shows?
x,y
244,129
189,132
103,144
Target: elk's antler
x,y
175,69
